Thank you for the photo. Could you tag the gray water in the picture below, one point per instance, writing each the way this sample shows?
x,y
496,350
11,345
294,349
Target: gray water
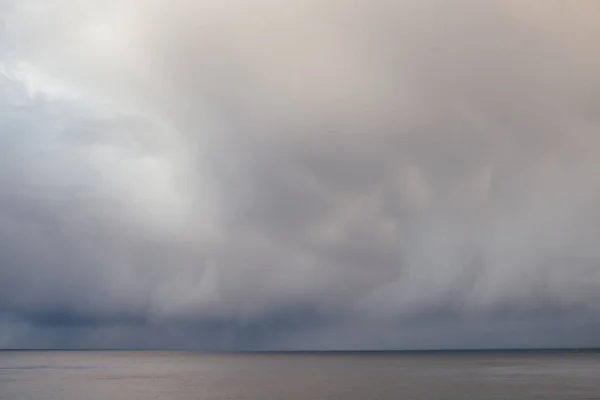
x,y
305,376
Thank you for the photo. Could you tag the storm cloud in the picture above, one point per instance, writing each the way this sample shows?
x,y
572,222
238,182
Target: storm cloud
x,y
307,174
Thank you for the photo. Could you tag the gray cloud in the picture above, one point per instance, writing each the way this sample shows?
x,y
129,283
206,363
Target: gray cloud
x,y
299,175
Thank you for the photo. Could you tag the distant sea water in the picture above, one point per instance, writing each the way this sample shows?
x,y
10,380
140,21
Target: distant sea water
x,y
115,375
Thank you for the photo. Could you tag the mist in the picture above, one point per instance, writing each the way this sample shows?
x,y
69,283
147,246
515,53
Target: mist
x,y
299,175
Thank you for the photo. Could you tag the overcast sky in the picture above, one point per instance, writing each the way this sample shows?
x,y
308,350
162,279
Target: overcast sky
x,y
299,174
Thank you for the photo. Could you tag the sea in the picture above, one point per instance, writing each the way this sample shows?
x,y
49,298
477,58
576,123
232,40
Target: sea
x,y
433,375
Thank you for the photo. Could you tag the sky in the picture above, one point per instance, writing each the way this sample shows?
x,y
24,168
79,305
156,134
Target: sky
x,y
299,174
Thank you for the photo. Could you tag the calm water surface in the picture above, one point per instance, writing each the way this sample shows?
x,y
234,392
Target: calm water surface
x,y
304,376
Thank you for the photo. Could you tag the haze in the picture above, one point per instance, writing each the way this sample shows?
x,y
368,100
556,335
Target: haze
x,y
299,174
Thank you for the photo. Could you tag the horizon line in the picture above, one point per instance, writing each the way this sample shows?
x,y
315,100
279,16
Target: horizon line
x,y
405,351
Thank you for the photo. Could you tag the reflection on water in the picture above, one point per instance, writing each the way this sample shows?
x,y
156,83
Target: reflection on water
x,y
305,376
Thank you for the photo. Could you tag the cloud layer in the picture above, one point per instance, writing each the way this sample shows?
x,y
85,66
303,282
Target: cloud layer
x,y
300,174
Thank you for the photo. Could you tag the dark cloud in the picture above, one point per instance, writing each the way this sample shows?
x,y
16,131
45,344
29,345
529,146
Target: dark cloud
x,y
238,175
